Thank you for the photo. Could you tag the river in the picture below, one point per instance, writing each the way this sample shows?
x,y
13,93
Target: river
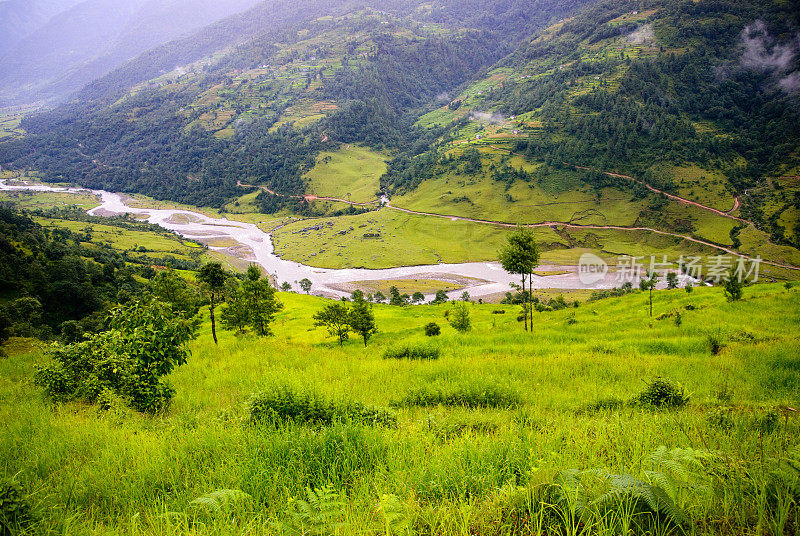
x,y
480,278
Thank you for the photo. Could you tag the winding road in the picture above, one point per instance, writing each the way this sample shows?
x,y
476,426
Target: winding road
x,y
387,204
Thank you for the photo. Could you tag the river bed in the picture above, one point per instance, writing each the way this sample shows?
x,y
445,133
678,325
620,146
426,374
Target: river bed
x,y
254,245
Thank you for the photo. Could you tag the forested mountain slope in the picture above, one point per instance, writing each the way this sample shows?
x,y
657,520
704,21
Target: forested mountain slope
x,y
491,110
698,99
190,134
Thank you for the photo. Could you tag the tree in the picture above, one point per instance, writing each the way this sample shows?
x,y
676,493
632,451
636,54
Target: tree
x,y
688,287
171,288
286,286
145,342
336,320
380,297
649,284
459,318
418,297
262,304
357,295
213,277
672,280
520,255
465,297
733,286
396,298
5,328
432,329
441,297
361,317
305,284
234,314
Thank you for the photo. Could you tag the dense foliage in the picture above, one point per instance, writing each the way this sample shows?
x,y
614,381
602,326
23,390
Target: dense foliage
x,y
144,343
49,276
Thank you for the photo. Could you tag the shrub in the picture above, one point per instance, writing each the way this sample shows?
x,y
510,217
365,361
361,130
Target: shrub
x,y
412,351
460,320
499,312
471,395
721,418
716,342
432,329
15,510
662,393
283,404
145,342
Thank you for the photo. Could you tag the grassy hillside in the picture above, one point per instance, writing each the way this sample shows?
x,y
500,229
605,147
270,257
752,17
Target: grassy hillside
x,y
543,405
351,173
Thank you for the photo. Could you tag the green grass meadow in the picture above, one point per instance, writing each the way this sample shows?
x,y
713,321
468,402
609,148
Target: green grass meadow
x,y
351,173
444,469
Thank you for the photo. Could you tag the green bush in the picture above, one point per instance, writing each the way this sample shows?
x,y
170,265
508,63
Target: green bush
x,y
471,395
412,351
716,342
284,404
145,342
15,511
432,329
662,393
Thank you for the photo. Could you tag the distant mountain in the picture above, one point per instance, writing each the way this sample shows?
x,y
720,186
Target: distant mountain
x,y
94,37
20,18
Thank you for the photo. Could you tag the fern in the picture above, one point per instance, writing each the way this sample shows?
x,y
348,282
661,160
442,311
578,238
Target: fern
x,y
395,519
221,501
321,514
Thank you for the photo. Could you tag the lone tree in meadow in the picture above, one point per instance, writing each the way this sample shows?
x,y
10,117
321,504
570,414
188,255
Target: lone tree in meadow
x,y
379,297
286,286
361,317
418,297
459,318
733,286
649,284
305,284
262,304
234,315
520,255
335,318
213,277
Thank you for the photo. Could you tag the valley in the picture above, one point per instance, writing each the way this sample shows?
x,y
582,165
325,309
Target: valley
x,y
400,268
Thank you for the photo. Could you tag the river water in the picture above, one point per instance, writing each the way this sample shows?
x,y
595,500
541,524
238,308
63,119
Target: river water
x,y
481,278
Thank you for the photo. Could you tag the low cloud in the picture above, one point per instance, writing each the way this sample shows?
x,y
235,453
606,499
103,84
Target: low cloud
x,y
761,52
790,83
642,34
484,117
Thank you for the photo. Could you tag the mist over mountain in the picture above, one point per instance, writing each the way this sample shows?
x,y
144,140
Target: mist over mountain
x,y
20,18
93,37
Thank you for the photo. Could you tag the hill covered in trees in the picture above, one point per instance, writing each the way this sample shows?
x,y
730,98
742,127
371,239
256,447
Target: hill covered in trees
x,y
698,99
488,110
368,68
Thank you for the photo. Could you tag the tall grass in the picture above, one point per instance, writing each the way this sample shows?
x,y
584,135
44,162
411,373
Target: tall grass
x,y
537,466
